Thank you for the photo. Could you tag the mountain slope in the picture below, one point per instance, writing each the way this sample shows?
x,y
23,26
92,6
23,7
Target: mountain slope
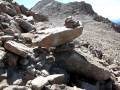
x,y
51,8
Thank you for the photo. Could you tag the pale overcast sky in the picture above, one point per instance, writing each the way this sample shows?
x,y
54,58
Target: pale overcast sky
x,y
106,8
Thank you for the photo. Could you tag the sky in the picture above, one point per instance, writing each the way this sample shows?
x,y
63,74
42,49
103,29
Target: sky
x,y
107,8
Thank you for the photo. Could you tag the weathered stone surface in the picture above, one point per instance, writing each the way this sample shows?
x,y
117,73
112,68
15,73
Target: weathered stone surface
x,y
56,36
82,63
15,87
26,26
17,48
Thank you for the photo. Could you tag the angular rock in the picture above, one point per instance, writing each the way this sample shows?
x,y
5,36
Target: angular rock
x,y
6,38
17,48
18,82
26,26
27,37
3,84
81,63
71,23
15,87
56,78
39,82
57,70
40,17
56,36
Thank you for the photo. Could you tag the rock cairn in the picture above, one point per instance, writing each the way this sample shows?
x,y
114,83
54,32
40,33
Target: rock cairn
x,y
48,59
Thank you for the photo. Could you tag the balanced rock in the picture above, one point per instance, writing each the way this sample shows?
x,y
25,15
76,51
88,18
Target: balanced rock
x,y
71,23
81,63
17,48
56,36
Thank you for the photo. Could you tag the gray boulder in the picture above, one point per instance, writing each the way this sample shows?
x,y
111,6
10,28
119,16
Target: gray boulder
x,y
82,63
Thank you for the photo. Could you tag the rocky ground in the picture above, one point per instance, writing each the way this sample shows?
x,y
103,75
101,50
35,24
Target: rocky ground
x,y
41,53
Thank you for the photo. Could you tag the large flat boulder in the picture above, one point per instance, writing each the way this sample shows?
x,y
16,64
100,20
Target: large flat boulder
x,y
82,63
56,36
17,48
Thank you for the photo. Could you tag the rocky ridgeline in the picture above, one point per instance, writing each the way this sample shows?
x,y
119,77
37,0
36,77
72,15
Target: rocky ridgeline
x,y
48,58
